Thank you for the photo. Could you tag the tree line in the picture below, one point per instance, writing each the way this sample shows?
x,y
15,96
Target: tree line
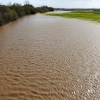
x,y
14,11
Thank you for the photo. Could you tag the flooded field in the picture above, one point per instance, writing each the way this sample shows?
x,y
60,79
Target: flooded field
x,y
58,11
50,58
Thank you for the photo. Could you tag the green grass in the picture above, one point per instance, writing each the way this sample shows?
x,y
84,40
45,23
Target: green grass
x,y
86,15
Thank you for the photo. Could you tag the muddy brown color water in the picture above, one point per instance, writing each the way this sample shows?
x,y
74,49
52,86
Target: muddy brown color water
x,y
49,58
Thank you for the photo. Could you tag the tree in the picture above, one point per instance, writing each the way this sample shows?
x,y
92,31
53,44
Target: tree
x,y
26,2
14,11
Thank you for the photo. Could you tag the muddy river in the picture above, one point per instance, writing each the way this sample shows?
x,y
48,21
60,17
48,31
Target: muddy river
x,y
50,58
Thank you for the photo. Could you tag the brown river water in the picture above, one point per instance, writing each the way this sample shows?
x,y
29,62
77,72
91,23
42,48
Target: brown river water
x,y
50,58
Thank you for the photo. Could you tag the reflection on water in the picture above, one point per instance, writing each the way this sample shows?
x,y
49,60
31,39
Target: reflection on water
x,y
49,58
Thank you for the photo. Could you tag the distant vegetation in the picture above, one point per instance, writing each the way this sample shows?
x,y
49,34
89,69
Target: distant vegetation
x,y
44,9
14,11
93,15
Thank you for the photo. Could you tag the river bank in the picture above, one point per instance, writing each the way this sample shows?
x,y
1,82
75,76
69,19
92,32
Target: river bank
x,y
85,15
15,11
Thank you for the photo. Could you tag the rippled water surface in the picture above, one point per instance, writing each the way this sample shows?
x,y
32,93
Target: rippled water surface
x,y
49,58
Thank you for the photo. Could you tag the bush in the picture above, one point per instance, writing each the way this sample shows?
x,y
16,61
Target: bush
x,y
2,22
12,12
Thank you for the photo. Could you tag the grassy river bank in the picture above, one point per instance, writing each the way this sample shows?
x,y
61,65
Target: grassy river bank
x,y
86,15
